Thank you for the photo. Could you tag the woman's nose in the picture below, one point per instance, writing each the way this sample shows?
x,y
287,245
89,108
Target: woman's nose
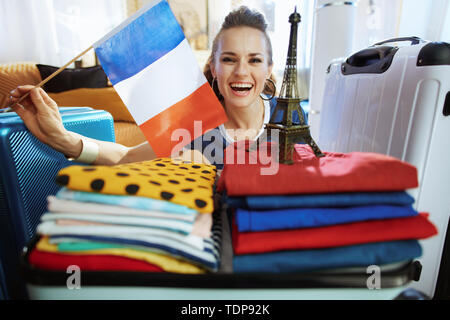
x,y
241,69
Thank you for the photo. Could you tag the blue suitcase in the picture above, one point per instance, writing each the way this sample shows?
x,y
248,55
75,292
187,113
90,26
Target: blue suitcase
x,y
27,171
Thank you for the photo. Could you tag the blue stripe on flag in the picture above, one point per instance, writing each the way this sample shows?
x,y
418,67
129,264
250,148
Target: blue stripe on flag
x,y
140,43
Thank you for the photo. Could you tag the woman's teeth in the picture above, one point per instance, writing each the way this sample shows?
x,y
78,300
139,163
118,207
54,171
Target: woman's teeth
x,y
241,86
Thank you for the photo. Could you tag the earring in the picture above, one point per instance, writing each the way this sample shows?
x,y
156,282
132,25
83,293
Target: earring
x,y
274,90
216,91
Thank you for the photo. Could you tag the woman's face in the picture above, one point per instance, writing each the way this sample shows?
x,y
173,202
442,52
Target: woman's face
x,y
241,65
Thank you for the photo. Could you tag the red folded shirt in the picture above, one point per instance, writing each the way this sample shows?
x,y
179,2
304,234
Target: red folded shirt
x,y
336,172
59,261
417,227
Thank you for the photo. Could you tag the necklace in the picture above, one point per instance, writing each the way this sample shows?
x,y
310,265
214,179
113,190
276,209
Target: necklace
x,y
247,134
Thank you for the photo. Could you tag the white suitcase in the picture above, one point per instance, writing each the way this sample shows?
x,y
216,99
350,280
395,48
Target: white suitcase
x,y
395,100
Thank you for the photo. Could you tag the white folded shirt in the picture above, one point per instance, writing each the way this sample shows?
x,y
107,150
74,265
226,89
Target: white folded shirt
x,y
72,206
201,226
50,228
143,222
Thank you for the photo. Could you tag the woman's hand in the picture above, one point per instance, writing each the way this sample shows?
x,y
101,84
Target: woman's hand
x,y
41,116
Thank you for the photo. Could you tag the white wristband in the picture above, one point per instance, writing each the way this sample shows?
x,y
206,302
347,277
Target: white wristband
x,y
89,152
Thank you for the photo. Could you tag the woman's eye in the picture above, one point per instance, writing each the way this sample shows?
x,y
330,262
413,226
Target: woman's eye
x,y
255,60
227,59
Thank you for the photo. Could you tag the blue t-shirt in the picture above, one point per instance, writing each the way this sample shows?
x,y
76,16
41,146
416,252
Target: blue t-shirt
x,y
213,143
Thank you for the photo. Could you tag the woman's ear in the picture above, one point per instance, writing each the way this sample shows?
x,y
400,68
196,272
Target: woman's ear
x,y
213,69
269,71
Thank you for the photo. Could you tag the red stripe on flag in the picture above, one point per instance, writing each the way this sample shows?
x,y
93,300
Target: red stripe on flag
x,y
201,105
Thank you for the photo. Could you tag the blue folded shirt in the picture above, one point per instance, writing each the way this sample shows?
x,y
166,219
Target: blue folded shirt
x,y
363,255
321,200
264,220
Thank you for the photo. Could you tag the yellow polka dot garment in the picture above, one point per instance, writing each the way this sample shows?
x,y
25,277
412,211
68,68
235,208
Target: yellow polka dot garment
x,y
180,182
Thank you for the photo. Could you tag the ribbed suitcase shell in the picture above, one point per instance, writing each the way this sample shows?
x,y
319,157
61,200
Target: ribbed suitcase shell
x,y
27,172
402,112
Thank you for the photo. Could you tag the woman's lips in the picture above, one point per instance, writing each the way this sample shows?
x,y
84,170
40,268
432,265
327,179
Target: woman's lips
x,y
241,89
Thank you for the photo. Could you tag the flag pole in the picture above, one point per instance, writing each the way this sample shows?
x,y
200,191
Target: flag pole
x,y
50,77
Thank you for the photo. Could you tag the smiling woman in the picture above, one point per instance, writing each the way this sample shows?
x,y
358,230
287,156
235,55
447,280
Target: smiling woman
x,y
238,69
241,67
239,27
240,72
243,63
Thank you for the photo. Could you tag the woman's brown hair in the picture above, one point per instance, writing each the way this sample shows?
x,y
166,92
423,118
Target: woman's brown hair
x,y
241,17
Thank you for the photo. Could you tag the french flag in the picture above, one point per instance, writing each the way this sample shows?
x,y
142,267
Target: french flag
x,y
153,69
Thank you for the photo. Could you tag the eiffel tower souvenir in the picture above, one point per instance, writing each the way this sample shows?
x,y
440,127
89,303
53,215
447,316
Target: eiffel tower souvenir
x,y
289,102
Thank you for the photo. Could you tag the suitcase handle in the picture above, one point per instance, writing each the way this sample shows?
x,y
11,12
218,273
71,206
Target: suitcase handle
x,y
370,60
414,40
369,56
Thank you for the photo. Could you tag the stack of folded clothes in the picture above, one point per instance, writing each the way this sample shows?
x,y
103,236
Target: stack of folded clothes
x,y
153,216
338,211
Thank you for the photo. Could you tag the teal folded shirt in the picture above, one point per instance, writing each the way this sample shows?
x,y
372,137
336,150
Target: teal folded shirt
x,y
363,255
142,203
